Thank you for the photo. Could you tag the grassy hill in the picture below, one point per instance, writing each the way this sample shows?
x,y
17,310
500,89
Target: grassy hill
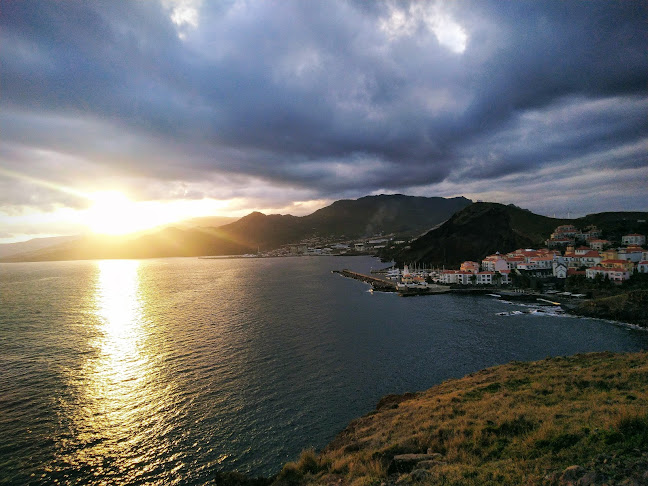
x,y
478,230
551,422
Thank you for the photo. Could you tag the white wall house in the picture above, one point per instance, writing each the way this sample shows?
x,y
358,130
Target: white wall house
x,y
485,278
634,239
560,269
632,254
615,274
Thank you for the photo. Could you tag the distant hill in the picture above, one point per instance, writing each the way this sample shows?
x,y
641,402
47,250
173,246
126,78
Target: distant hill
x,y
383,214
35,244
364,217
485,228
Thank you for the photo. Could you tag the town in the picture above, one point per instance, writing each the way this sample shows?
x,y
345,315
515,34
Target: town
x,y
568,252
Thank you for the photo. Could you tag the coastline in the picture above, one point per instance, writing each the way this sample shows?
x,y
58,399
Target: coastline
x,y
629,308
564,420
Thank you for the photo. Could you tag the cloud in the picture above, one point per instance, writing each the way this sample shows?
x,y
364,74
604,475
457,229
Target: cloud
x,y
320,100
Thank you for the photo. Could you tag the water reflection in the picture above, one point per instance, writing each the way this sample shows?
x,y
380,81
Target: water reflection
x,y
114,417
119,370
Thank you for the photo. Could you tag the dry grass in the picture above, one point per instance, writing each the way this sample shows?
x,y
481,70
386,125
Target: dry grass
x,y
513,424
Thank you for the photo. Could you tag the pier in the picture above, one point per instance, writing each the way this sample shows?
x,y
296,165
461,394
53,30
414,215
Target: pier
x,y
387,286
376,283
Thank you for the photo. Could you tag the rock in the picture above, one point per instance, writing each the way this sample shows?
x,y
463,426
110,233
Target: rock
x,y
630,482
436,455
420,475
589,479
405,463
572,473
430,464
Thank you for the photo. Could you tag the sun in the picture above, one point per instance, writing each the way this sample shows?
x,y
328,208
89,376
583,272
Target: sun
x,y
112,213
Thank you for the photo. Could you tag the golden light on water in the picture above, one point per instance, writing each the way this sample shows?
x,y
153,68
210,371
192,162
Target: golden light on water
x,y
115,386
117,375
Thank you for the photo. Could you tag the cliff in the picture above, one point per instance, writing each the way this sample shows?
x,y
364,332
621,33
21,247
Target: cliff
x,y
576,420
627,307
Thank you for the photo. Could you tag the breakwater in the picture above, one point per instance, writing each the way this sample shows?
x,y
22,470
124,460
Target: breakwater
x,y
376,283
388,286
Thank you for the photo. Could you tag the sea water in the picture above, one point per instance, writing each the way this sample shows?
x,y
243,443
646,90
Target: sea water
x,y
164,371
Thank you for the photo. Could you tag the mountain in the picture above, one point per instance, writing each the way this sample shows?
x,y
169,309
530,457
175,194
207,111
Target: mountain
x,y
364,217
35,244
383,214
485,228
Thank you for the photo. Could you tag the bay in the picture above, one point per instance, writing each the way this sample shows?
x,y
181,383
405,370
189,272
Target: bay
x,y
165,371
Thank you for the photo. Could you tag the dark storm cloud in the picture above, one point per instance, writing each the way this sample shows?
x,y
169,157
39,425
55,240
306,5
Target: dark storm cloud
x,y
329,97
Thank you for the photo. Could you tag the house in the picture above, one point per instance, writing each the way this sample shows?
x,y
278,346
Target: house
x,y
468,266
590,233
572,272
506,277
560,269
634,239
564,231
542,262
609,254
620,264
616,275
559,242
485,278
581,250
632,254
494,263
513,261
598,244
456,277
642,267
464,277
590,259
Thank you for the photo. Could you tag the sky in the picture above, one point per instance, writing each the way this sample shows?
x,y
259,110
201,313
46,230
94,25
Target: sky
x,y
176,108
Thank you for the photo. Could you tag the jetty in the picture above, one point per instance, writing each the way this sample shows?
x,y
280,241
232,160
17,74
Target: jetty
x,y
376,283
388,286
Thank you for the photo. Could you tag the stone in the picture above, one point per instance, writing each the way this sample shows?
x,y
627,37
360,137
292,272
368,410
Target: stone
x,y
405,463
420,475
435,455
572,473
589,479
430,464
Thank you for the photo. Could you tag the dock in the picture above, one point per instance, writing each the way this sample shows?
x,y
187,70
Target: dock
x,y
376,283
388,286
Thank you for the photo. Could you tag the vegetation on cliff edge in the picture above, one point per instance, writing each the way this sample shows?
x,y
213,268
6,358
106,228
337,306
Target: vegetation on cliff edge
x,y
582,418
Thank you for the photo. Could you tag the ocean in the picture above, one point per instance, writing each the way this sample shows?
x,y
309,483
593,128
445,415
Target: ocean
x,y
164,371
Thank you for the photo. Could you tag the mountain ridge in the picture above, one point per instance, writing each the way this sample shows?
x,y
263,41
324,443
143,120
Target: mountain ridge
x,y
366,216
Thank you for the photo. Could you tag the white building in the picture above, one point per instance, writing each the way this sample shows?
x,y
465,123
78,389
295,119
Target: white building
x,y
485,278
632,254
560,269
634,239
617,275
